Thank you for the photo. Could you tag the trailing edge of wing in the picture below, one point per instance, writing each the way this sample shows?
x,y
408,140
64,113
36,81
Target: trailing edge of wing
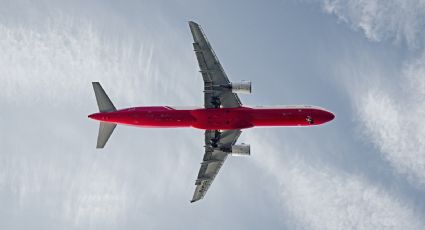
x,y
213,159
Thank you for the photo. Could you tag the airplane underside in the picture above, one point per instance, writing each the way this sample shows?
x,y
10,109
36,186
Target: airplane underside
x,y
215,119
223,115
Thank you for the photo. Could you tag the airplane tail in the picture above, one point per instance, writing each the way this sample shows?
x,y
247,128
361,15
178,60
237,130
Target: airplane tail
x,y
105,131
105,105
103,101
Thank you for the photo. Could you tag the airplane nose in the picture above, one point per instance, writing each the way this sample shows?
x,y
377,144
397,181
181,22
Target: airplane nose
x,y
329,116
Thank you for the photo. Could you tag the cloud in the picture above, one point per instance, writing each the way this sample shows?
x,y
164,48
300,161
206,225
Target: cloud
x,y
389,102
319,196
45,70
395,123
48,160
60,56
398,20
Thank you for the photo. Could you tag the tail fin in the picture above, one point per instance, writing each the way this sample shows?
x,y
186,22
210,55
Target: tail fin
x,y
103,101
105,105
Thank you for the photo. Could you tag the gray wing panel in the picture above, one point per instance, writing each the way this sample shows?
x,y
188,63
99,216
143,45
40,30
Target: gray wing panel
x,y
212,73
217,145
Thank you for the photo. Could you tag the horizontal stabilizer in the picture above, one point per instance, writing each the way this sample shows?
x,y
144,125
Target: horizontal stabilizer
x,y
103,101
105,131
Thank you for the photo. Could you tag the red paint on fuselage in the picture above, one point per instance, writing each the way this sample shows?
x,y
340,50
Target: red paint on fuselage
x,y
216,119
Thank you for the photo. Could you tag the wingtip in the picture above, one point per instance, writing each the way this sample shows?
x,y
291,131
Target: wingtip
x,y
193,23
99,146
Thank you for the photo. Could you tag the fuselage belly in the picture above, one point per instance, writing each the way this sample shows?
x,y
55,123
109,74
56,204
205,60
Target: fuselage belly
x,y
216,119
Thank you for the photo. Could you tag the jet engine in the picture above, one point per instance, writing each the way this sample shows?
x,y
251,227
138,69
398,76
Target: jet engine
x,y
241,150
241,87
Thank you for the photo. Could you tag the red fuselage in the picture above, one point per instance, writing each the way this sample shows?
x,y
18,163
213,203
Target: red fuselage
x,y
216,119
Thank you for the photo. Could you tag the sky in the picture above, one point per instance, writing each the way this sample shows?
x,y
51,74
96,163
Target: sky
x,y
364,60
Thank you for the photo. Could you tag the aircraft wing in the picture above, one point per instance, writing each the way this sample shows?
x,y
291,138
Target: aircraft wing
x,y
212,73
217,146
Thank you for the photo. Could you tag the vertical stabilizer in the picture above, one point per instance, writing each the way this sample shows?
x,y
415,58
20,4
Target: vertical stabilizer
x,y
103,101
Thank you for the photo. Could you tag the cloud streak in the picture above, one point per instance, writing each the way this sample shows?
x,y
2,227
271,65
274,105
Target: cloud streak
x,y
395,123
389,102
46,70
61,57
398,20
48,161
323,197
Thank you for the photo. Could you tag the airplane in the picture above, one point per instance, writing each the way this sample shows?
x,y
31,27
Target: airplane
x,y
222,117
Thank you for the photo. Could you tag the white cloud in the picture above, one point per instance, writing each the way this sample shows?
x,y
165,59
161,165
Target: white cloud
x,y
48,160
389,104
49,67
60,57
390,107
397,20
322,197
395,121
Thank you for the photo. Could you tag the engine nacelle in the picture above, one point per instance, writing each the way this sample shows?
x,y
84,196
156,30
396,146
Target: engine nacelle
x,y
241,150
241,87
